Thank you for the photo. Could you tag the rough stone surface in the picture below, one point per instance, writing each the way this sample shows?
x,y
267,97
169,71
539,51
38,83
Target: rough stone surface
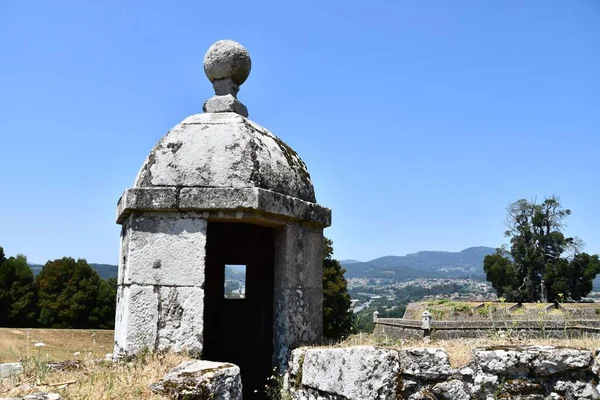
x,y
298,291
576,389
159,198
225,150
226,103
42,396
164,249
136,321
180,319
227,59
161,275
452,390
347,373
427,363
201,380
9,369
223,199
159,319
35,396
544,360
373,375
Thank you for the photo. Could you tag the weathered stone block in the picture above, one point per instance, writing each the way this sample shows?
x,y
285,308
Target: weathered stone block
x,y
219,198
544,360
354,373
426,363
452,390
253,199
423,394
161,198
224,104
42,396
165,249
573,389
223,198
551,360
298,320
180,319
10,369
136,320
299,258
201,380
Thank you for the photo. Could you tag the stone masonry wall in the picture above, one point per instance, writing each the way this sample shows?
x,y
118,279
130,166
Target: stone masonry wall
x,y
396,328
160,298
366,372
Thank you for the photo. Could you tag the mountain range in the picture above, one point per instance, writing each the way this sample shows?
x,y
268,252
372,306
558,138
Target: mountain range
x,y
424,264
104,270
467,263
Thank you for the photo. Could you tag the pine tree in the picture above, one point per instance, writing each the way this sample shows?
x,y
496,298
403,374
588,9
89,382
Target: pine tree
x,y
103,314
17,292
337,316
68,293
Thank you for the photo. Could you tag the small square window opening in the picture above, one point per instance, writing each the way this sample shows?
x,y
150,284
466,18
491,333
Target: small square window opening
x,y
235,282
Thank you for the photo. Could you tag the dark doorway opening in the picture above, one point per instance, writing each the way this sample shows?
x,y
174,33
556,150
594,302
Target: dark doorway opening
x,y
238,307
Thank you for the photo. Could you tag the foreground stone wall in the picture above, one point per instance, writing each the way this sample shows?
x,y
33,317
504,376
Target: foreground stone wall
x,y
366,372
397,328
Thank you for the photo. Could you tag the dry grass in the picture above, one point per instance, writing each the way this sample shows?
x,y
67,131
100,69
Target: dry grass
x,y
460,351
94,379
60,344
580,305
90,379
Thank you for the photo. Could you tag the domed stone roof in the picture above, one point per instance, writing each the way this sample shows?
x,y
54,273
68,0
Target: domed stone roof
x,y
223,148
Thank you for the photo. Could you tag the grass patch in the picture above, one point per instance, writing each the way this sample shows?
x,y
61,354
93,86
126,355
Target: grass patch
x,y
94,380
59,344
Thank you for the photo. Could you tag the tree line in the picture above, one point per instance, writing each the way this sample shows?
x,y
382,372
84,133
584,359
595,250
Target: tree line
x,y
67,293
541,264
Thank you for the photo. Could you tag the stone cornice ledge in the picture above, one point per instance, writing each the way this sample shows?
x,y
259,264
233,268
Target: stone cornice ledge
x,y
226,199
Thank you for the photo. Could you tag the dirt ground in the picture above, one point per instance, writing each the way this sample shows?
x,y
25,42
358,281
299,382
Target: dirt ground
x,y
59,344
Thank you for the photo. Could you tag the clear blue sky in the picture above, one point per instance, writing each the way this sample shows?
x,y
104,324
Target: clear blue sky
x,y
420,121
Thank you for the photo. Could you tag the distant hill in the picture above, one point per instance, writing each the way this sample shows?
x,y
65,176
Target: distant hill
x,y
104,270
424,264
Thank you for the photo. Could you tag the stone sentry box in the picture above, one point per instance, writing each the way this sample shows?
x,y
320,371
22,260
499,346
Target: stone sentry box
x,y
219,189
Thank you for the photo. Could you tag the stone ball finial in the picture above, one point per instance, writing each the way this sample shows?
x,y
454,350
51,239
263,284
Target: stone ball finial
x,y
227,59
227,65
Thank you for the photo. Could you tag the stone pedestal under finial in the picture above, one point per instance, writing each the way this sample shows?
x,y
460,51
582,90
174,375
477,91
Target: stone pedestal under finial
x,y
227,65
220,193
